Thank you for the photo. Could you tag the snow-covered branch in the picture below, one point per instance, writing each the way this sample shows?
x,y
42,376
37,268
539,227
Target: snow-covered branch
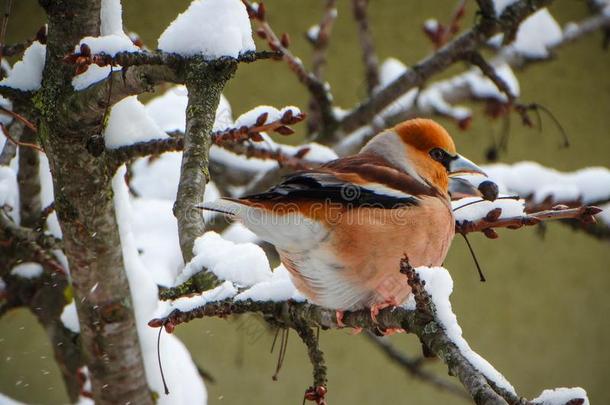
x,y
243,138
493,219
454,51
427,314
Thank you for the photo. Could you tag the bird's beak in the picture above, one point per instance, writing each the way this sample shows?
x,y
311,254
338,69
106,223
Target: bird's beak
x,y
461,165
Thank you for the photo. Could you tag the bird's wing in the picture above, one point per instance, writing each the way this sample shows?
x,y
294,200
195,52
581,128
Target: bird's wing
x,y
356,181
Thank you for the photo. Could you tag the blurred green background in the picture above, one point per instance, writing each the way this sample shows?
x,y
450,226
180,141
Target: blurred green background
x,y
542,317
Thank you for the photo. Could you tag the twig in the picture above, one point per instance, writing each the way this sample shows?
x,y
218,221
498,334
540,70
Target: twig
x,y
17,142
440,344
320,45
369,58
320,42
9,150
441,34
19,117
11,229
318,390
414,366
584,214
489,71
7,13
317,89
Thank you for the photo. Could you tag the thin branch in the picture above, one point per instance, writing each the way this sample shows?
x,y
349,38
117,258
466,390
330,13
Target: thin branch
x,y
19,117
9,151
414,367
439,343
317,88
490,72
318,390
369,57
320,45
584,214
320,42
84,58
18,142
7,13
22,234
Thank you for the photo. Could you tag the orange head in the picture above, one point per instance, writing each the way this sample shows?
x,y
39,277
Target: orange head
x,y
424,149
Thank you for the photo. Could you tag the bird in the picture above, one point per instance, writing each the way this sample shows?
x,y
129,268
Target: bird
x,y
341,228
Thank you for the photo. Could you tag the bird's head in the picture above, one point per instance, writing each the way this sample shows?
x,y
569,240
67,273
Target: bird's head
x,y
424,149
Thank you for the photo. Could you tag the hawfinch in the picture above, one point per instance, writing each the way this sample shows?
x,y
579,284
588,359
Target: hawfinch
x,y
342,228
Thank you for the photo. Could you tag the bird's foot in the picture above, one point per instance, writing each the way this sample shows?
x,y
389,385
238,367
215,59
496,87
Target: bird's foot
x,y
339,315
391,331
356,331
375,308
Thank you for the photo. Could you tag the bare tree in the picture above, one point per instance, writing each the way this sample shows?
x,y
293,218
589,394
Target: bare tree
x,y
69,123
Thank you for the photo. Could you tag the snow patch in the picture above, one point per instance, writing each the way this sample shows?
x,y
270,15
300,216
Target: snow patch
x,y
92,75
278,288
245,264
238,233
212,28
111,17
510,208
69,317
28,270
181,373
536,34
129,123
9,192
169,110
26,75
500,5
108,44
561,396
439,285
591,184
222,292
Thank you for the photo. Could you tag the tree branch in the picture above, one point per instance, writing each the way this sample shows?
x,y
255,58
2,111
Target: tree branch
x,y
492,219
414,366
437,62
320,45
369,58
204,84
241,141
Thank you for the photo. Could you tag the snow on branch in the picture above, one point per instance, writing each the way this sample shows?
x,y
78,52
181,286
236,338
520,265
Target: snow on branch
x,y
454,51
493,219
243,138
427,314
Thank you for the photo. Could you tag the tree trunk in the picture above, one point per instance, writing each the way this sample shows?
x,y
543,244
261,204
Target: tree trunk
x,y
84,204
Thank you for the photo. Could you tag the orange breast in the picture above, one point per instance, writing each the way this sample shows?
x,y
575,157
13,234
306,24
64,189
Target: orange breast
x,y
371,242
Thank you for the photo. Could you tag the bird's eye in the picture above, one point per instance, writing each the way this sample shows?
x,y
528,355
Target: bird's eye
x,y
437,154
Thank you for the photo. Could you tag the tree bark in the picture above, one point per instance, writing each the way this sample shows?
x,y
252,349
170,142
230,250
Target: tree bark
x,y
84,204
205,84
